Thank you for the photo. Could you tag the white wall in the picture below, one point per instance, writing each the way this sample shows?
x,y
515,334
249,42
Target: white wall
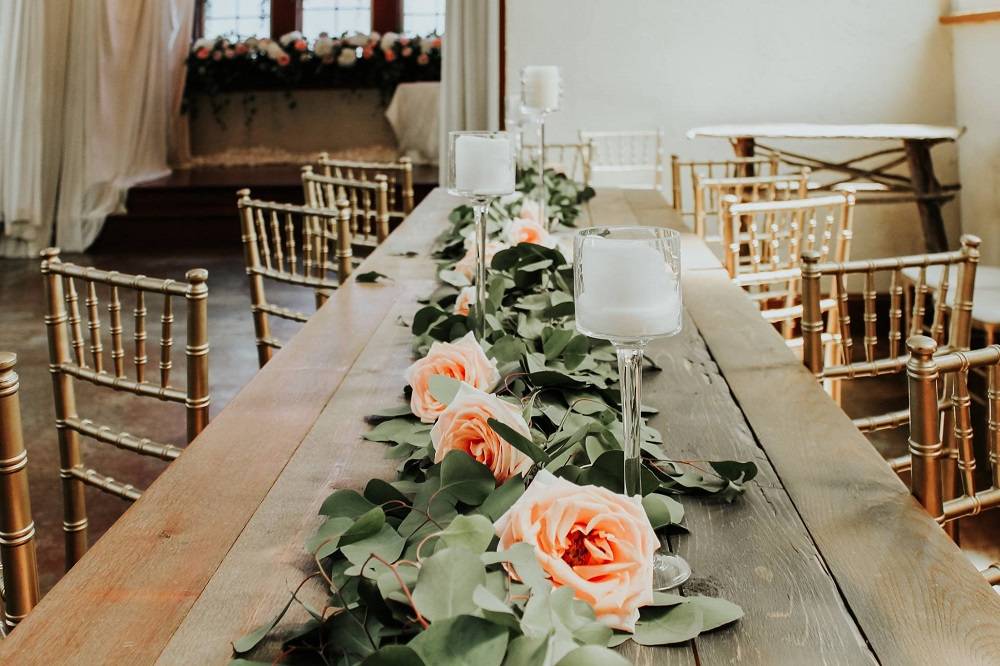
x,y
677,64
977,101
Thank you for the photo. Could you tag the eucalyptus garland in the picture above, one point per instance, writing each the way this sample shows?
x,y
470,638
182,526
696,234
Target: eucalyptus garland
x,y
413,568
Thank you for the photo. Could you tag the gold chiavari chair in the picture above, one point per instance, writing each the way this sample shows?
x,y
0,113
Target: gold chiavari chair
x,y
573,159
683,172
17,529
626,152
274,237
68,361
763,243
930,375
367,202
398,178
708,193
950,317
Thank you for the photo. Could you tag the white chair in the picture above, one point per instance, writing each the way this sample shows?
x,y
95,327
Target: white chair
x,y
627,155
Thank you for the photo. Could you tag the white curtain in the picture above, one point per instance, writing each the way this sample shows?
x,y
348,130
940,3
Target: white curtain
x,y
470,70
89,94
118,108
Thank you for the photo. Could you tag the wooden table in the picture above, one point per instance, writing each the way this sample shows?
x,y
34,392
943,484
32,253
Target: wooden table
x,y
915,142
828,554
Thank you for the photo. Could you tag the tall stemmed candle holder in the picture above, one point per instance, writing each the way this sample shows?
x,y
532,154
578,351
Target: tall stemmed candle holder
x,y
541,91
480,168
627,291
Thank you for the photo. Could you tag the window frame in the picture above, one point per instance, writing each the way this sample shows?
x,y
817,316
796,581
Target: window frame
x,y
286,16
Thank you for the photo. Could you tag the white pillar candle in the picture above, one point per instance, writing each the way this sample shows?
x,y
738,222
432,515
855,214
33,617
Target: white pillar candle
x,y
540,87
484,165
629,291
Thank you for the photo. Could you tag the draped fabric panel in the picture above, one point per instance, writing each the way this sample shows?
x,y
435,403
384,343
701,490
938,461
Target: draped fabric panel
x,y
470,71
119,104
89,97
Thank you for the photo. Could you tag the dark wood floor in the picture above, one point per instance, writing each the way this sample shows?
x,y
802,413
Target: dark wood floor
x,y
233,363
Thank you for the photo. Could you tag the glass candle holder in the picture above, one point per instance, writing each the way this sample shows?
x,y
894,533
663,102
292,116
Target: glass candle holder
x,y
480,168
627,290
541,94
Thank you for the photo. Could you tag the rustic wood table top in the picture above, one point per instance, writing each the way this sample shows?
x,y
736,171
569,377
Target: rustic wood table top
x,y
901,131
827,553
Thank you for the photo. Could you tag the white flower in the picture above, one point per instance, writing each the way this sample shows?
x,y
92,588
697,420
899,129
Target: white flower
x,y
357,39
388,40
528,230
290,37
252,43
203,43
347,58
274,50
323,46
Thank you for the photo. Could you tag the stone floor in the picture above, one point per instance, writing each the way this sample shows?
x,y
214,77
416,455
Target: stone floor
x,y
233,362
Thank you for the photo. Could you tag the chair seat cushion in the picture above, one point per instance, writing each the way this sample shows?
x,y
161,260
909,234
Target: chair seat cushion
x,y
986,297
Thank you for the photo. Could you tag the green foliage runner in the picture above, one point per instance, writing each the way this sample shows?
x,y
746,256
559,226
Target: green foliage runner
x,y
411,565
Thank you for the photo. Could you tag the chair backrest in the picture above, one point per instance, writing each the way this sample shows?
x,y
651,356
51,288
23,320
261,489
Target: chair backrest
x,y
573,159
942,438
627,152
17,529
708,193
366,200
72,358
772,235
292,245
683,173
398,178
950,310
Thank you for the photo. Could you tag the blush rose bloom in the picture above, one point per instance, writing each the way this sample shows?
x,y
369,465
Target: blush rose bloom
x,y
527,230
467,264
464,426
463,360
597,542
466,297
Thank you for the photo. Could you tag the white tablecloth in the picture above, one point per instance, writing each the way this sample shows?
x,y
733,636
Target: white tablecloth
x,y
413,115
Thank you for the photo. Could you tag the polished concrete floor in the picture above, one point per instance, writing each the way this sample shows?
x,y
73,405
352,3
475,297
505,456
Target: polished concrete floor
x,y
233,362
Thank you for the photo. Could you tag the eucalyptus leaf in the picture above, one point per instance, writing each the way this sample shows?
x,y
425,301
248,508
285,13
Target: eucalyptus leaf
x,y
518,441
472,532
443,388
462,641
593,655
466,479
393,655
371,276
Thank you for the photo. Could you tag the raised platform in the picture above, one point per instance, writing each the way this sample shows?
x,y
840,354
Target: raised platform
x,y
196,208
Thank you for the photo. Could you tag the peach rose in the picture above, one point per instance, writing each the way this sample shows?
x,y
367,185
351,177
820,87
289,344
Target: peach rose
x,y
407,52
463,360
423,59
464,426
202,54
300,45
389,54
526,230
466,297
283,59
467,264
595,541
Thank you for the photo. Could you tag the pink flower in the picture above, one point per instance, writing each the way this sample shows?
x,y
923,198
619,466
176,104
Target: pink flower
x,y
283,59
436,43
466,297
464,426
597,542
202,54
300,45
467,264
241,49
423,59
463,360
407,51
528,230
389,54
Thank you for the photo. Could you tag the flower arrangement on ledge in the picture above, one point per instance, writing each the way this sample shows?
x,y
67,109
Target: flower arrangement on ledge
x,y
216,66
505,538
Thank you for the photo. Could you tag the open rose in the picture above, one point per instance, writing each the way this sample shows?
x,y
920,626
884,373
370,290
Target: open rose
x,y
464,426
466,297
463,360
597,542
526,230
467,264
